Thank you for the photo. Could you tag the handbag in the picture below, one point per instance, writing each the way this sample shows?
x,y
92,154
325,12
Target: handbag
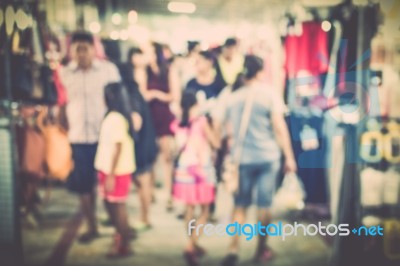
x,y
58,151
291,194
230,174
34,153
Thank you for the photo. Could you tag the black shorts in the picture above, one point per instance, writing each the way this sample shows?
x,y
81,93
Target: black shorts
x,y
83,178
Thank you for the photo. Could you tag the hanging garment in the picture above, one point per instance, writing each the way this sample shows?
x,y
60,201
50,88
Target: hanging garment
x,y
311,163
48,84
61,92
21,77
330,81
307,52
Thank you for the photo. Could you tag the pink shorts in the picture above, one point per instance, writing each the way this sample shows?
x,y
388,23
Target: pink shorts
x,y
121,189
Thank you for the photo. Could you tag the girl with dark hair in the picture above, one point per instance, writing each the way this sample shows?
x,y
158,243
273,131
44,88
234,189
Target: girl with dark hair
x,y
115,163
161,92
194,171
135,78
137,68
207,85
266,137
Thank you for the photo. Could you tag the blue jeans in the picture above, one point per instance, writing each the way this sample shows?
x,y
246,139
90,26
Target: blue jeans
x,y
259,178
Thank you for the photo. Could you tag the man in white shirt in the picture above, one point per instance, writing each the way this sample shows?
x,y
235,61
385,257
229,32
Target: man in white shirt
x,y
84,79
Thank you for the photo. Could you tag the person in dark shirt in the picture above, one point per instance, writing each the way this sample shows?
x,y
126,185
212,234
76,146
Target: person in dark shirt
x,y
134,75
207,80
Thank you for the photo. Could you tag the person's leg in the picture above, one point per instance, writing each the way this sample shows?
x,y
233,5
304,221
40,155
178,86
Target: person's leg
x,y
145,195
263,216
265,182
167,166
122,226
239,216
203,218
189,215
109,210
84,184
88,202
212,206
120,246
243,200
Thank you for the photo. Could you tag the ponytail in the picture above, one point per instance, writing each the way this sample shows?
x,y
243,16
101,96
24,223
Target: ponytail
x,y
188,100
252,65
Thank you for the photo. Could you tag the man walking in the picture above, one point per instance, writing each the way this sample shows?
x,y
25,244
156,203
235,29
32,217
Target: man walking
x,y
85,78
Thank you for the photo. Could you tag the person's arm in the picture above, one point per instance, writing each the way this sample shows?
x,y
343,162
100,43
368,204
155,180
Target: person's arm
x,y
41,117
62,114
137,121
63,118
283,138
212,136
141,80
110,179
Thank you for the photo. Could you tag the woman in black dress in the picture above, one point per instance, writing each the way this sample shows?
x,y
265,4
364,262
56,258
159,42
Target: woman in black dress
x,y
134,76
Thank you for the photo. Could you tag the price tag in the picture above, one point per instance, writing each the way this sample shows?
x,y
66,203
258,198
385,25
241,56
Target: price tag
x,y
309,138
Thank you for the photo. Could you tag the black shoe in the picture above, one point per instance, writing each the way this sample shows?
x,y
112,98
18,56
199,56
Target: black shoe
x,y
88,237
230,260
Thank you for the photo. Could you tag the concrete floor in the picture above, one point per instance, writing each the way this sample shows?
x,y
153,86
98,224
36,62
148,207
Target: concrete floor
x,y
48,244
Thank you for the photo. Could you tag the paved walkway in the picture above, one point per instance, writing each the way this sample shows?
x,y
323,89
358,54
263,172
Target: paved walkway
x,y
53,242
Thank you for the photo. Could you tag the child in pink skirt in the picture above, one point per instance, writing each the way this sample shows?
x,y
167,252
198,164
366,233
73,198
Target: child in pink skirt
x,y
194,170
115,163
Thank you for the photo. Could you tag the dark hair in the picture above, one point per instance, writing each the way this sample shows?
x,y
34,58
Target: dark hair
x,y
208,56
230,42
191,45
117,100
82,36
161,61
132,52
252,65
188,100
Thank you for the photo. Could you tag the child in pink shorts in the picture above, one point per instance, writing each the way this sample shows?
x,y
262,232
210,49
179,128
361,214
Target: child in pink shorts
x,y
115,163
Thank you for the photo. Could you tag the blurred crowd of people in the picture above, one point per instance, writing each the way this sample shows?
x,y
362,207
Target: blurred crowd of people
x,y
185,114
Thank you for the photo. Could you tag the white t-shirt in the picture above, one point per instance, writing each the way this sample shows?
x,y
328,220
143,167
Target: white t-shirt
x,y
114,129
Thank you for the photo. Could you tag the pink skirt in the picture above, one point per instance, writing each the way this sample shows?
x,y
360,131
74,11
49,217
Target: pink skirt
x,y
194,194
121,188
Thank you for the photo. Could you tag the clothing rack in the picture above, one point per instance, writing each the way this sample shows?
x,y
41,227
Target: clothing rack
x,y
10,228
353,249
